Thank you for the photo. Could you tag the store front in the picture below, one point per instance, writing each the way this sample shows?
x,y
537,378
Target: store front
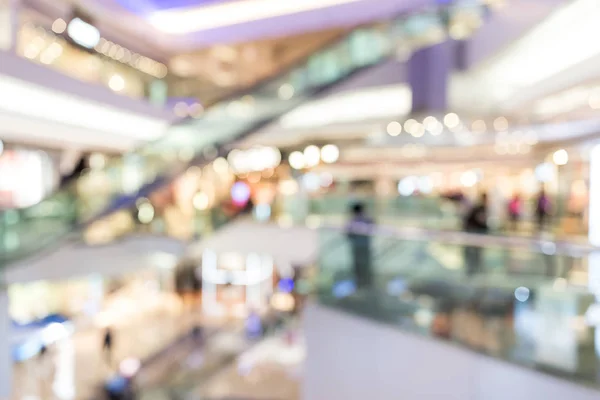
x,y
91,302
26,177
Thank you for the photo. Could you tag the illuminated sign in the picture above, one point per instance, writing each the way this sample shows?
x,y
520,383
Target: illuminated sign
x,y
83,33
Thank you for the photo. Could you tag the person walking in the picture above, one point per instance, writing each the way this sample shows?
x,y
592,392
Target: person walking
x,y
475,222
107,344
542,210
358,232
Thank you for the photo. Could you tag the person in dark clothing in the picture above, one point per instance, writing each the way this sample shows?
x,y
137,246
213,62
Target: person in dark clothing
x,y
75,173
107,344
475,222
358,232
542,209
476,217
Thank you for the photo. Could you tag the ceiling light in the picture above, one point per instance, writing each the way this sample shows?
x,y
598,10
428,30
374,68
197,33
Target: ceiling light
x,y
430,123
59,26
116,83
451,120
55,50
31,51
394,128
83,34
407,186
468,178
330,153
501,124
560,157
296,160
437,129
312,155
194,19
479,126
409,125
47,57
418,130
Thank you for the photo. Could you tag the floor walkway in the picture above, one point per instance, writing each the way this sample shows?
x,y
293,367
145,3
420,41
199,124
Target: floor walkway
x,y
272,369
75,368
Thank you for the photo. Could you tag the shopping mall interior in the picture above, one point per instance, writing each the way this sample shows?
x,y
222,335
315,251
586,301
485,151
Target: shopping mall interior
x,y
223,199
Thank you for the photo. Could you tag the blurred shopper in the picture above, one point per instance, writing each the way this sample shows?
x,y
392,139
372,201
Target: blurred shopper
x,y
358,232
75,172
107,344
476,218
542,210
475,222
197,333
515,210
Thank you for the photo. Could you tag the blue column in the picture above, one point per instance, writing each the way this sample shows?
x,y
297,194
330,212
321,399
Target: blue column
x,y
428,73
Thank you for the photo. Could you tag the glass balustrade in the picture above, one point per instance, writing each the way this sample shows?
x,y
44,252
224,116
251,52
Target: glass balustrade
x,y
200,141
529,302
420,211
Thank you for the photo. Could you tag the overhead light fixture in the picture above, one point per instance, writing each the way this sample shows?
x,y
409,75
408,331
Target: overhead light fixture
x,y
59,26
194,19
83,33
116,83
330,153
560,157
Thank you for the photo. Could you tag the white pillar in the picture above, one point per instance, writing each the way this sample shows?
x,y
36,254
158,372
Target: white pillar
x,y
6,25
5,353
594,190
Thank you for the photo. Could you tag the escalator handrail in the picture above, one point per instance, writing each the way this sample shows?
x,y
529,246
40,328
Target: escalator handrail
x,y
255,87
460,238
118,200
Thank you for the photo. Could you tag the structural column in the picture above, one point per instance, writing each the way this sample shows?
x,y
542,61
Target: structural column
x,y
5,353
428,73
9,24
594,198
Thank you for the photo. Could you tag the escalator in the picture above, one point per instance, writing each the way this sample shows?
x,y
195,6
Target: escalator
x,y
197,142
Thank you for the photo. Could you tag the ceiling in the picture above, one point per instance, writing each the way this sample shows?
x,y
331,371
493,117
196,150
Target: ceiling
x,y
145,6
209,73
178,26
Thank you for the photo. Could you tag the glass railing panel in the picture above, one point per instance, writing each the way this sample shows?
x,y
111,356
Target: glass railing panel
x,y
196,141
532,303
429,212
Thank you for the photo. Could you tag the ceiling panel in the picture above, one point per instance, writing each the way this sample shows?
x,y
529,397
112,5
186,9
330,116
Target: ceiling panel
x,y
144,6
220,22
